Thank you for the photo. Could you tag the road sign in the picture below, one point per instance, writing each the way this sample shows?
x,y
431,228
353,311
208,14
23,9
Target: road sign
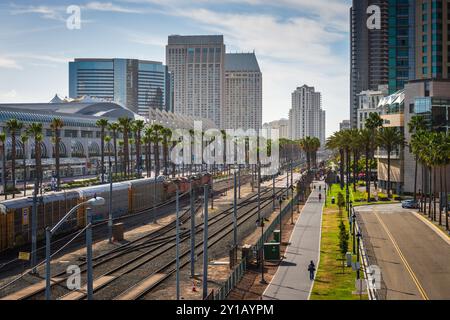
x,y
24,256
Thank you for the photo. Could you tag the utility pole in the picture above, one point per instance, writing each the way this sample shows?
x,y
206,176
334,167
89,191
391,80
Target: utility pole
x,y
205,243
235,213
90,280
261,222
34,228
192,230
239,182
273,192
110,217
178,241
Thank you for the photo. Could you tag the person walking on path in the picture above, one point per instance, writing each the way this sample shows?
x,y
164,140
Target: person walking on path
x,y
311,269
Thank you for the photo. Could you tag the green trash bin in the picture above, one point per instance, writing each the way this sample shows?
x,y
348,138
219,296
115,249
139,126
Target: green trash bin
x,y
272,251
276,235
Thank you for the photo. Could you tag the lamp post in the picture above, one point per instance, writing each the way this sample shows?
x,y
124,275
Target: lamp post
x,y
353,231
235,212
273,192
36,200
49,232
239,181
155,220
90,280
358,236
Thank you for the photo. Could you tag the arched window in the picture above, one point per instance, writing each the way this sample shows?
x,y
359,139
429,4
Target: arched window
x,y
44,153
93,149
77,149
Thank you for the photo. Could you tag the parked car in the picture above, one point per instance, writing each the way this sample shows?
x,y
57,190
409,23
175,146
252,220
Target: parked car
x,y
410,204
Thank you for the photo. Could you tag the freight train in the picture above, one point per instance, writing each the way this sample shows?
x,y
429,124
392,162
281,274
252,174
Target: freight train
x,y
128,198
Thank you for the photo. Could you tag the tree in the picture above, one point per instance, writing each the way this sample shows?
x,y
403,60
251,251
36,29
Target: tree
x,y
108,143
366,143
24,139
114,128
148,136
340,202
373,124
416,125
389,138
3,149
343,243
336,142
138,127
355,143
102,123
156,139
166,134
14,127
56,126
35,131
125,124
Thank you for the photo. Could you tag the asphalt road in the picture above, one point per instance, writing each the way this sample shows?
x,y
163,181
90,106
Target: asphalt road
x,y
413,257
291,281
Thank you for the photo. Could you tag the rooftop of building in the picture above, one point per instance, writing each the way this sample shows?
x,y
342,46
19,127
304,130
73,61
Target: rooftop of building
x,y
241,62
195,39
112,59
76,112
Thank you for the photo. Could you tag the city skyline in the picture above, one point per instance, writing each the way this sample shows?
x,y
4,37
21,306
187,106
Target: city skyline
x,y
287,57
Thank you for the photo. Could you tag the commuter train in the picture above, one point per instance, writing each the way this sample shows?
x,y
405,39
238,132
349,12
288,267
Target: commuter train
x,y
128,198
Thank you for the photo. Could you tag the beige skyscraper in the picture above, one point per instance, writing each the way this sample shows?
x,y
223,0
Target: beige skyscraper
x,y
243,92
306,118
197,66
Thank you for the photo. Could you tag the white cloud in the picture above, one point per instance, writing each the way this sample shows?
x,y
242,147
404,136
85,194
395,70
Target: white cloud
x,y
109,7
47,12
9,63
9,95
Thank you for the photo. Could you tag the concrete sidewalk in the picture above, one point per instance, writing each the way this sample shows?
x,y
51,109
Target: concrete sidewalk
x,y
291,282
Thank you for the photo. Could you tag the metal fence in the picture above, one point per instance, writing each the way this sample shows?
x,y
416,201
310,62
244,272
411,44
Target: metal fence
x,y
240,269
232,281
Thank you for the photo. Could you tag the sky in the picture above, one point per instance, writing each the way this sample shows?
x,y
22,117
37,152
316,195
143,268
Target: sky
x,y
297,42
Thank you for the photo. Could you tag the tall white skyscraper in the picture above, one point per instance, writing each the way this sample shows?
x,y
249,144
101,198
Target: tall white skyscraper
x,y
306,118
197,66
243,92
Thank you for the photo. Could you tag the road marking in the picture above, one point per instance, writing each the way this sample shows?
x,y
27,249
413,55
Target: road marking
x,y
402,257
434,227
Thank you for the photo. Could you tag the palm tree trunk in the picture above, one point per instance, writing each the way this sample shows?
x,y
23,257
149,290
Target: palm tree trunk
x,y
115,153
355,156
415,179
430,194
4,169
389,175
24,171
102,148
367,176
446,199
341,164
13,163
440,196
434,194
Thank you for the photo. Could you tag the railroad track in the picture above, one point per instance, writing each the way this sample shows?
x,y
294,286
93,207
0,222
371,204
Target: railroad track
x,y
138,252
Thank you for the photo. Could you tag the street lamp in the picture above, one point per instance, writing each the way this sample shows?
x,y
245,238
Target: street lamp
x,y
192,203
94,202
358,236
36,199
177,222
110,216
205,243
353,230
235,212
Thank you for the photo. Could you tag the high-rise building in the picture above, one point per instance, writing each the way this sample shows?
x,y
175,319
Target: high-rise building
x,y
197,65
281,125
136,84
429,39
368,52
345,125
243,92
306,117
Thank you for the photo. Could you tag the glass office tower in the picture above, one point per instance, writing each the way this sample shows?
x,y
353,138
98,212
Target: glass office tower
x,y
136,84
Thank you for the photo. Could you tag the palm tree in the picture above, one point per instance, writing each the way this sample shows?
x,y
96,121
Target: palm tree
x,y
108,143
166,135
373,124
336,142
56,126
14,127
125,124
390,138
3,141
114,128
366,143
156,139
24,139
102,123
416,125
138,127
356,147
35,130
148,138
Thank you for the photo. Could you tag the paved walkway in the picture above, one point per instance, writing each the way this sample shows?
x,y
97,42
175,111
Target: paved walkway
x,y
291,282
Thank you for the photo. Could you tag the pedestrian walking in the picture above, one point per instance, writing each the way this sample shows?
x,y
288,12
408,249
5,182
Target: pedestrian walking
x,y
311,269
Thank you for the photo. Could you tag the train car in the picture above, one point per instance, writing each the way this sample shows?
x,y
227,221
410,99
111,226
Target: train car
x,y
120,201
16,216
143,194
